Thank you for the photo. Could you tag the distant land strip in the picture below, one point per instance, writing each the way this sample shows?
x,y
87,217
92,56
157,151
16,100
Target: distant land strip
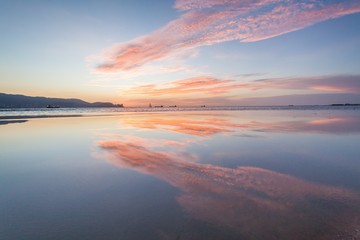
x,y
38,116
22,101
13,121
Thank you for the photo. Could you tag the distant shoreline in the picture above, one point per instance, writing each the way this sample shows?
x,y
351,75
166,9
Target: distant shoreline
x,y
174,108
37,116
4,122
14,114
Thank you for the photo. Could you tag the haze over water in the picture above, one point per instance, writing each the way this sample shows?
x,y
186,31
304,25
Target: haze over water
x,y
269,174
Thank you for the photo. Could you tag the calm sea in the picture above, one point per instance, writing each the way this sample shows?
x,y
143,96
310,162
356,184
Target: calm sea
x,y
36,112
180,173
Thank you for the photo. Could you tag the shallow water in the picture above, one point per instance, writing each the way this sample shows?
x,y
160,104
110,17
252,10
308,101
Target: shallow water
x,y
48,112
246,174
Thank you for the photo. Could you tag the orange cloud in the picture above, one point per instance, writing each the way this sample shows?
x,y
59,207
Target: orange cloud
x,y
211,86
203,84
334,89
335,83
210,22
254,202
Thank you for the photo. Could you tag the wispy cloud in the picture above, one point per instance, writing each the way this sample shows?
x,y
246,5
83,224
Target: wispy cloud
x,y
336,83
202,84
209,22
211,86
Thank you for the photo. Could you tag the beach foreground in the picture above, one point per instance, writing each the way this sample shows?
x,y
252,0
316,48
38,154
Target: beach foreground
x,y
252,174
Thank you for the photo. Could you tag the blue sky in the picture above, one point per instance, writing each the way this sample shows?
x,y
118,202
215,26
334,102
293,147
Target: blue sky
x,y
186,51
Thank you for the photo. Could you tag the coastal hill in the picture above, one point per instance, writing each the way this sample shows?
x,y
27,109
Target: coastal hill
x,y
22,101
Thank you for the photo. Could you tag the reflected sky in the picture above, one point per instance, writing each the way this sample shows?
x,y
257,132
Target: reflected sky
x,y
205,125
187,175
257,203
243,198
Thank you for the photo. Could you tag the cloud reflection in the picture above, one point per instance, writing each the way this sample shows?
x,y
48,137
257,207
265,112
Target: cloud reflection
x,y
209,125
344,125
258,203
201,127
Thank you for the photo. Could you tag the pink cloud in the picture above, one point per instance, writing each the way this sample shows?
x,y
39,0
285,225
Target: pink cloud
x,y
235,4
337,83
213,86
209,22
202,84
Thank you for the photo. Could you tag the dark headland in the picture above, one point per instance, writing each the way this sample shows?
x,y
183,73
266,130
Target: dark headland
x,y
22,101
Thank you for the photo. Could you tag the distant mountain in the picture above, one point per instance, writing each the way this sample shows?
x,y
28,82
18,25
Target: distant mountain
x,y
21,101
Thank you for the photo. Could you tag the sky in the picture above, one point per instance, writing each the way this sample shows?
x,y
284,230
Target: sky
x,y
182,52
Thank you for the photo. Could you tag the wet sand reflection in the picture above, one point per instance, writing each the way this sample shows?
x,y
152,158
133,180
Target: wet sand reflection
x,y
257,203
